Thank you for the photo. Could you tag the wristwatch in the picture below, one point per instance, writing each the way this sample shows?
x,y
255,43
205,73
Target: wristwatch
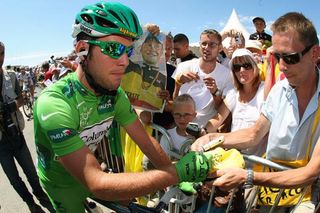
x,y
218,92
249,182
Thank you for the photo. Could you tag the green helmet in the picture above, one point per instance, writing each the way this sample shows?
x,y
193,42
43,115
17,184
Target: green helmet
x,y
106,18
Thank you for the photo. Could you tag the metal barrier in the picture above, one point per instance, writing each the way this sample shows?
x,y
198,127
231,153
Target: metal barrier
x,y
172,199
115,164
267,163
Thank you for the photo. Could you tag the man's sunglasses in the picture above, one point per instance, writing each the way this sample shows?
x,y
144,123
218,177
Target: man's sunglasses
x,y
237,67
292,58
112,48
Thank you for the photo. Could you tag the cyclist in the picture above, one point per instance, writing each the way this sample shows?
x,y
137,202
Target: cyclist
x,y
26,82
72,116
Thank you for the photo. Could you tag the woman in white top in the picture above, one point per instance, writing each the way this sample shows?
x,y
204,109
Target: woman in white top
x,y
245,101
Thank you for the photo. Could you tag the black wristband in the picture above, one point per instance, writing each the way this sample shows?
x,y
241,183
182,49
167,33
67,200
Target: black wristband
x,y
218,93
249,182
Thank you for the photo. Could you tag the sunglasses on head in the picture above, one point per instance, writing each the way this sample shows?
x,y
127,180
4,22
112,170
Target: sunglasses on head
x,y
237,67
112,48
292,58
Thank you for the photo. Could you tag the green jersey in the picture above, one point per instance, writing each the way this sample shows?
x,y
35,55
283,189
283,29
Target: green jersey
x,y
67,116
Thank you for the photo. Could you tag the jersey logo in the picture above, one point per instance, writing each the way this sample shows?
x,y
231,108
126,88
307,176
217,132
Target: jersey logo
x,y
105,107
61,134
93,135
46,117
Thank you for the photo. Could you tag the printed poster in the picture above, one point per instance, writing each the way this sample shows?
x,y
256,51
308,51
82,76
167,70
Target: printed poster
x,y
146,73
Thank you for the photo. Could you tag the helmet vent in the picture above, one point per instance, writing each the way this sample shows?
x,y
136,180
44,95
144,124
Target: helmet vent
x,y
105,23
135,21
116,16
87,18
125,18
101,13
99,5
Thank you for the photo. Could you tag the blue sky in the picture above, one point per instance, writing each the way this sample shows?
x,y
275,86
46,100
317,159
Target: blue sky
x,y
33,30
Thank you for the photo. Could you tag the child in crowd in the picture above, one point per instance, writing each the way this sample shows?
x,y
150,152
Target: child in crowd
x,y
183,111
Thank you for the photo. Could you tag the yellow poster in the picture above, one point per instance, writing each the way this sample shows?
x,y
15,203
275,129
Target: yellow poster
x,y
146,75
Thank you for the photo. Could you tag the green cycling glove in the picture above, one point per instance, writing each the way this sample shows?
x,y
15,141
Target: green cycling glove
x,y
187,188
193,167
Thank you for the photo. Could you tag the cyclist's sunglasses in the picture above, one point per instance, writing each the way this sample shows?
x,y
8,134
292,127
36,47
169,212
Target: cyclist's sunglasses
x,y
237,67
112,48
292,58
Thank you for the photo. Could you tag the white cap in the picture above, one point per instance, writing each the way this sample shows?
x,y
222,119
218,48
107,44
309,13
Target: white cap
x,y
241,52
254,44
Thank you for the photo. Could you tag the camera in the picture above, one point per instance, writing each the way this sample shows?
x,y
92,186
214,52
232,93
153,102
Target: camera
x,y
238,39
7,123
193,129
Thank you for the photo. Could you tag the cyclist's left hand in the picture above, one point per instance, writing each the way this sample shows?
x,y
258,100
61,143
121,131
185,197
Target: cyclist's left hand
x,y
193,167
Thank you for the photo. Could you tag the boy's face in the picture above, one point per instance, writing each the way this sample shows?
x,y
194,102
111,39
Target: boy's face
x,y
183,113
260,25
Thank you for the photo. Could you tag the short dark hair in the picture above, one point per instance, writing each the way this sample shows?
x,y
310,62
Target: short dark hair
x,y
84,36
299,23
45,65
212,32
180,38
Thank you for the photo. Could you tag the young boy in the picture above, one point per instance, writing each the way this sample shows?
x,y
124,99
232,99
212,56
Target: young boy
x,y
183,111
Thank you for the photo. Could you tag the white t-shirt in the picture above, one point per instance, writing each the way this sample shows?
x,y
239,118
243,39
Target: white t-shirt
x,y
198,90
244,115
177,140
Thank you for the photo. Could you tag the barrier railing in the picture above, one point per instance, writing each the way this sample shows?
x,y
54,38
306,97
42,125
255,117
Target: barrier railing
x,y
269,164
112,163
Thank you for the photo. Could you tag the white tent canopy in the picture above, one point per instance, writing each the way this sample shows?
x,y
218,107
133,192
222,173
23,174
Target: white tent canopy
x,y
234,23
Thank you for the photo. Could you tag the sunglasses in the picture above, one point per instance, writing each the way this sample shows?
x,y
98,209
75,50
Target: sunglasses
x,y
237,67
112,48
292,58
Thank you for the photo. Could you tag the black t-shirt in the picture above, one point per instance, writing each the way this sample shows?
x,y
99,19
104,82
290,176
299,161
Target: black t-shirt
x,y
190,56
165,119
260,36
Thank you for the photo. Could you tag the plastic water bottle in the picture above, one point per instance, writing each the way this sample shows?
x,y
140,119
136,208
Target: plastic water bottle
x,y
94,208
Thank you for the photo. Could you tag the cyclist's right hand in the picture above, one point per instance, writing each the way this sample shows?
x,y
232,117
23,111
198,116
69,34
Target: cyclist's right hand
x,y
193,167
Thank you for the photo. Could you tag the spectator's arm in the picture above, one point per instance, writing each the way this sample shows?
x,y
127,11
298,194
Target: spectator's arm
x,y
214,123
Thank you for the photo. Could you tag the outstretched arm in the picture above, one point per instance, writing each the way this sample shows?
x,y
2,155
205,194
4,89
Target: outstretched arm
x,y
115,186
241,139
293,178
